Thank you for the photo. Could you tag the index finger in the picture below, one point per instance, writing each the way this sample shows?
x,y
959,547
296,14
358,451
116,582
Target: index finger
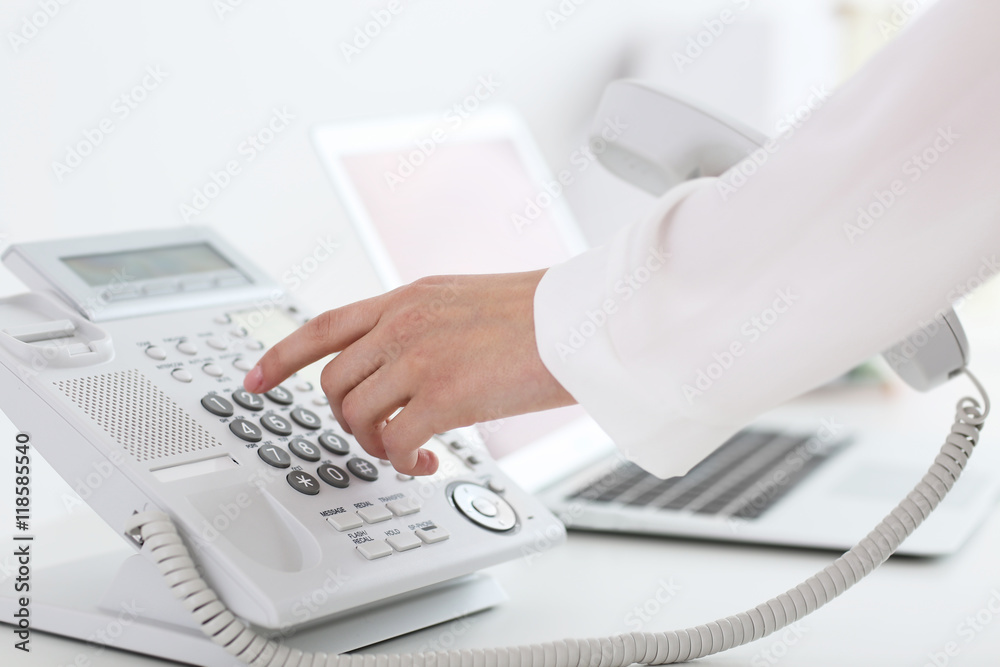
x,y
324,334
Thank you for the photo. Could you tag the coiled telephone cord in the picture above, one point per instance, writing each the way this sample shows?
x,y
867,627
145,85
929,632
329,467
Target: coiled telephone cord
x,y
165,547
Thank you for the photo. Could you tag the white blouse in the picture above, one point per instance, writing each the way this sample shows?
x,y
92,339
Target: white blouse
x,y
736,294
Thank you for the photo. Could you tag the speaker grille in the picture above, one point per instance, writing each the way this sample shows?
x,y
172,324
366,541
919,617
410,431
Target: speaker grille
x,y
140,417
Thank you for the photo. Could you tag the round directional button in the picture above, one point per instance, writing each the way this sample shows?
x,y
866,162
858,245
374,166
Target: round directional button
x,y
305,418
363,469
334,444
245,399
304,449
280,395
275,456
303,482
246,430
217,405
483,507
333,475
276,424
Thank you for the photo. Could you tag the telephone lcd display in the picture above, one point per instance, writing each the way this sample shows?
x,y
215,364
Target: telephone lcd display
x,y
147,263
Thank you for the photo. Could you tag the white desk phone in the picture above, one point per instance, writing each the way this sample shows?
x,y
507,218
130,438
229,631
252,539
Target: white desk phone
x,y
260,515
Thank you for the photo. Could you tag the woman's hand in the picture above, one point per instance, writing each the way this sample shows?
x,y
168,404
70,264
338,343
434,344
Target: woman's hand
x,y
451,351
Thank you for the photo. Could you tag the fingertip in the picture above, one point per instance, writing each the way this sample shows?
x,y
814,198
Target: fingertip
x,y
427,463
254,381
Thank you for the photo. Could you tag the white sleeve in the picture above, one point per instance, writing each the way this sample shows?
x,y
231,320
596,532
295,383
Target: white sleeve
x,y
739,293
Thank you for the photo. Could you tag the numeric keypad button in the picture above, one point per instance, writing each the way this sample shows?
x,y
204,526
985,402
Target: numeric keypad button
x,y
334,444
275,456
249,401
305,418
246,430
280,395
276,424
304,449
217,405
333,476
303,482
363,469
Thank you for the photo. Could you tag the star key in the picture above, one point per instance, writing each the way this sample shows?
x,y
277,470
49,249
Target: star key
x,y
303,482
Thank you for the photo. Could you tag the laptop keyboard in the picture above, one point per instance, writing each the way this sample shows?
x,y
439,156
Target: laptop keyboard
x,y
743,478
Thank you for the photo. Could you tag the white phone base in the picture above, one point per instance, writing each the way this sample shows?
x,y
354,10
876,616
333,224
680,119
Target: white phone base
x,y
95,600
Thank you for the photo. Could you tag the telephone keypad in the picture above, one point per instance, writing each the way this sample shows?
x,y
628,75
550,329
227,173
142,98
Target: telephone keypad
x,y
280,395
303,482
246,430
274,456
363,469
333,443
305,418
304,449
276,424
247,400
333,476
217,405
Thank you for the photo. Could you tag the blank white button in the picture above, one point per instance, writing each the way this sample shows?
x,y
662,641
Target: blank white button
x,y
432,534
321,401
77,348
217,343
403,506
238,332
344,522
187,347
484,507
222,319
376,549
156,353
254,345
404,542
212,370
304,386
375,514
181,375
244,365
403,478
496,486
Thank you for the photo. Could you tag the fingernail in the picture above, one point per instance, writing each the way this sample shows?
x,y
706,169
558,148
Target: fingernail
x,y
254,379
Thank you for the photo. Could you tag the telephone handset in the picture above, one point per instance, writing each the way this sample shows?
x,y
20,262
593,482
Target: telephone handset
x,y
128,357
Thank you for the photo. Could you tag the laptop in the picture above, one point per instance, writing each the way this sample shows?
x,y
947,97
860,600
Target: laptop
x,y
447,194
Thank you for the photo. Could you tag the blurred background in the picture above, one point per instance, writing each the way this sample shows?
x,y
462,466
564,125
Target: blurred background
x,y
182,85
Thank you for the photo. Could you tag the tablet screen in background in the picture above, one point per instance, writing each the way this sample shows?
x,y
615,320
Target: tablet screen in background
x,y
455,214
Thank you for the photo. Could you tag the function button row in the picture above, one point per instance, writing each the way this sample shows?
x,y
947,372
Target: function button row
x,y
187,347
402,542
374,514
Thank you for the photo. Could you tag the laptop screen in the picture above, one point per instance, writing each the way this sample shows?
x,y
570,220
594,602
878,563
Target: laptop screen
x,y
470,207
